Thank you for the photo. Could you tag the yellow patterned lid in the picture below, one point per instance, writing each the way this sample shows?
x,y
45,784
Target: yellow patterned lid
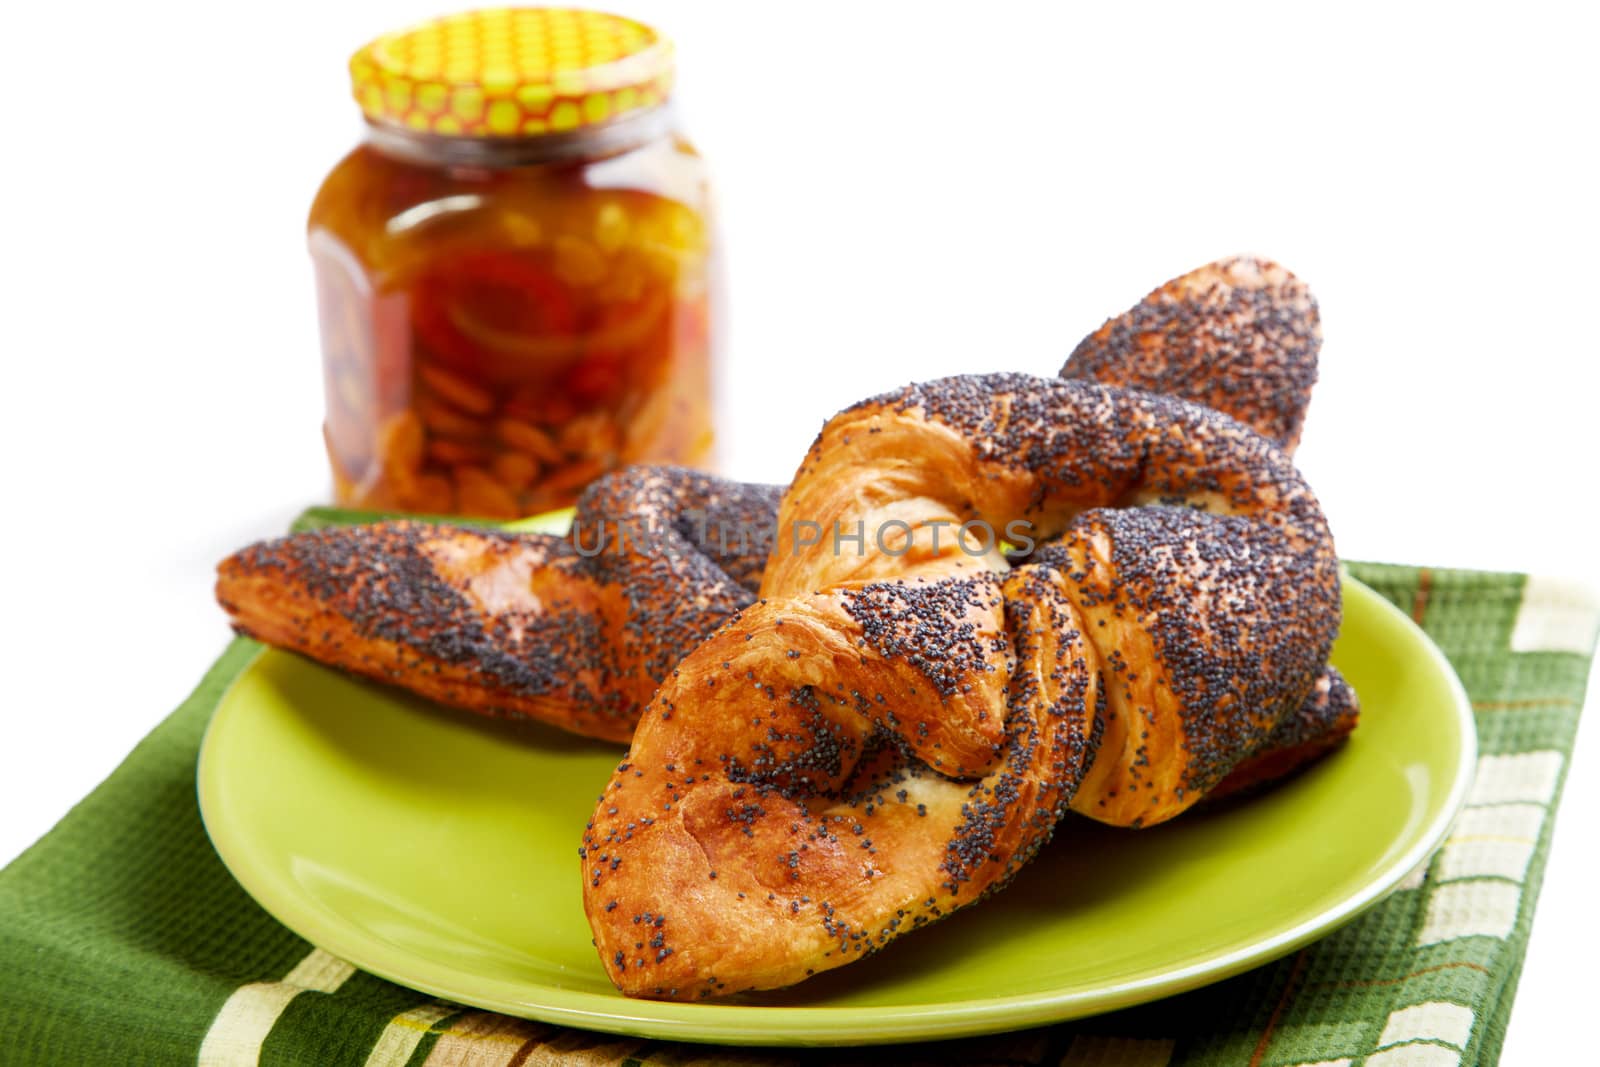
x,y
512,72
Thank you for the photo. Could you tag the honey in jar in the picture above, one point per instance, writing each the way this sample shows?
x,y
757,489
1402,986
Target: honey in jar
x,y
515,268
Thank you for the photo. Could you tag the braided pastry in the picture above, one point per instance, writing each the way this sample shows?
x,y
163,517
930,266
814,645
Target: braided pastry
x,y
890,732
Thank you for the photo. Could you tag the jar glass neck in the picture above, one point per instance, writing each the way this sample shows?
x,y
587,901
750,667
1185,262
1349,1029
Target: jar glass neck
x,y
588,142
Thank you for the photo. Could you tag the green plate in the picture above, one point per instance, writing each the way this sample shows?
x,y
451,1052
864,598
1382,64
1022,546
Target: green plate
x,y
441,851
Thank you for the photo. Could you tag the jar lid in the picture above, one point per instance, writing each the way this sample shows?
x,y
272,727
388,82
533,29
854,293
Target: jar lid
x,y
512,72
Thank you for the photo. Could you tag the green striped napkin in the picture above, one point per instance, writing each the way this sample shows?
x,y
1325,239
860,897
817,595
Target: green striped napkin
x,y
123,939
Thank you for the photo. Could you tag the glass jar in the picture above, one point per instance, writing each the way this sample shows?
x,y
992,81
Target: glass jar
x,y
515,269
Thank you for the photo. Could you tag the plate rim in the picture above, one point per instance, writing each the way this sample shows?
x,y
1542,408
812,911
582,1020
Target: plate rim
x,y
784,1025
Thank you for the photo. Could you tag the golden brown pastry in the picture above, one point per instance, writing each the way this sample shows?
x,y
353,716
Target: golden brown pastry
x,y
1239,335
896,726
575,632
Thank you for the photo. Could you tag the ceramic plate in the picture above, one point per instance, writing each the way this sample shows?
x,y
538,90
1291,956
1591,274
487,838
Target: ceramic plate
x,y
441,852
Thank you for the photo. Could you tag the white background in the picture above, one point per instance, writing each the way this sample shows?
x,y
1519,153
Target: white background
x,y
906,191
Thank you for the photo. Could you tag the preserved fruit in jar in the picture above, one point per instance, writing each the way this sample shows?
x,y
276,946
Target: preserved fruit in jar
x,y
515,269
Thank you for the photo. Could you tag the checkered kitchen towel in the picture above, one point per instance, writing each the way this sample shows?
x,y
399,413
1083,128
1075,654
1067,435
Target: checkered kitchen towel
x,y
123,939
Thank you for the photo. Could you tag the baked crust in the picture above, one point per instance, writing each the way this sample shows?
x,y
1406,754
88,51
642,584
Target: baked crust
x,y
1239,335
574,632
789,801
